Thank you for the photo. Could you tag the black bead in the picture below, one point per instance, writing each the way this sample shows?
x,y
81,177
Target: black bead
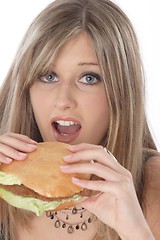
x,y
52,216
63,225
89,220
77,227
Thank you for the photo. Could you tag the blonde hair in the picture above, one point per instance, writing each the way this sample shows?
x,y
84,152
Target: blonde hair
x,y
117,50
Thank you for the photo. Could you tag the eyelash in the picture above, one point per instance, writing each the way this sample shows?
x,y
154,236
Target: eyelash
x,y
91,74
43,78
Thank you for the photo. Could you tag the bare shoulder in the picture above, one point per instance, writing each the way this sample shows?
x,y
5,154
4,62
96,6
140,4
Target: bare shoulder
x,y
151,201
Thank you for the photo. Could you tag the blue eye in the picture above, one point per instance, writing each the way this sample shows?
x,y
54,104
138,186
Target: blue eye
x,y
90,78
49,78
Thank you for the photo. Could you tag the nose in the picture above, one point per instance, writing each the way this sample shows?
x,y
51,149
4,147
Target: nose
x,y
65,97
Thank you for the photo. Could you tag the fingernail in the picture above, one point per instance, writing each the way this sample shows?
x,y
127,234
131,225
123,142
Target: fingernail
x,y
74,179
72,147
8,160
32,146
68,157
64,167
22,155
32,141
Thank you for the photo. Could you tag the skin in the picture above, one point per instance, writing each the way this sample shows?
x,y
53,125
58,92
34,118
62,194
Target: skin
x,y
116,204
69,95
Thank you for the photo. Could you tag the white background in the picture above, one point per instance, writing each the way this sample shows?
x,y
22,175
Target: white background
x,y
15,16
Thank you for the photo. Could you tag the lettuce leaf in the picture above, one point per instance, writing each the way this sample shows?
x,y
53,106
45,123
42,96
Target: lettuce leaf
x,y
9,179
32,204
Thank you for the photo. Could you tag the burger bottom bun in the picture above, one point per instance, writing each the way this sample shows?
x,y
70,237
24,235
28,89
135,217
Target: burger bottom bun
x,y
68,204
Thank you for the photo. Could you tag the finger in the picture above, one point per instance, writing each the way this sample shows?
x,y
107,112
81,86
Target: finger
x,y
12,153
98,185
5,159
98,154
97,169
119,190
83,146
16,143
20,137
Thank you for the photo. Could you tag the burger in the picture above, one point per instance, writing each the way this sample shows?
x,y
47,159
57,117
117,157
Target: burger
x,y
37,184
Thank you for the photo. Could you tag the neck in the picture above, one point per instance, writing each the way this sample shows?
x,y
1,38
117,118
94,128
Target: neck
x,y
71,219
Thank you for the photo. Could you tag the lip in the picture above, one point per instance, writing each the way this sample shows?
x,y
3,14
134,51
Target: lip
x,y
65,138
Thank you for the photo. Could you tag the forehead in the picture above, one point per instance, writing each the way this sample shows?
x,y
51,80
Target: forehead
x,y
76,49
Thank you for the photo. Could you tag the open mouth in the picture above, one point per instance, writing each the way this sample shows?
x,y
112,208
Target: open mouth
x,y
66,128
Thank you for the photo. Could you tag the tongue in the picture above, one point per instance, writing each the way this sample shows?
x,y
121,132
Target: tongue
x,y
68,129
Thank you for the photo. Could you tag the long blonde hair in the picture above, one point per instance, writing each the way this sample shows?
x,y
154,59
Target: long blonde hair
x,y
117,50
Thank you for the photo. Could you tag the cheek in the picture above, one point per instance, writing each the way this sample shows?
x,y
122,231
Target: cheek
x,y
102,120
35,101
38,104
101,125
98,115
40,112
99,106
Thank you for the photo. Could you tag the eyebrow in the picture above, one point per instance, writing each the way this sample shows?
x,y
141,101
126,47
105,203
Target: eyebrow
x,y
84,63
88,63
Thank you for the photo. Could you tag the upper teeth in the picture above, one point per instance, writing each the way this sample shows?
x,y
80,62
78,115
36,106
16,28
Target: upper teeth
x,y
65,123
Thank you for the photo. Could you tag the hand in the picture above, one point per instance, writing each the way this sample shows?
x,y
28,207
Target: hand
x,y
116,204
15,146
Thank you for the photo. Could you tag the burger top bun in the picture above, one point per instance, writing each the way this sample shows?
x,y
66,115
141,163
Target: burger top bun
x,y
40,171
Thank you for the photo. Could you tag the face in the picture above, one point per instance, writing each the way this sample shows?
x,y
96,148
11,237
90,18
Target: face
x,y
69,102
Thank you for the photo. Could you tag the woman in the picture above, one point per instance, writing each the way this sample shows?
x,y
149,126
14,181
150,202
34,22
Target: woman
x,y
78,78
